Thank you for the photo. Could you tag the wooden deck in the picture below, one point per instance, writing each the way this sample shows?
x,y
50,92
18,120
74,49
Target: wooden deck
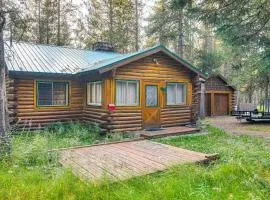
x,y
177,130
123,160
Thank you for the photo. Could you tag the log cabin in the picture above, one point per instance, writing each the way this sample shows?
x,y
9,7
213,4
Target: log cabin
x,y
121,92
220,96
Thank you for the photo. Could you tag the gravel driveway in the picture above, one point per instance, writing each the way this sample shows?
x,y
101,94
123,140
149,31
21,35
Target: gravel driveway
x,y
232,125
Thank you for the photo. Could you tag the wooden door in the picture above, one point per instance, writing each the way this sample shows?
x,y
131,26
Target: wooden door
x,y
208,104
221,104
151,104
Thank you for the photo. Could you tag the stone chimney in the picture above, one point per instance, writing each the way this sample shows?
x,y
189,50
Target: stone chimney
x,y
104,46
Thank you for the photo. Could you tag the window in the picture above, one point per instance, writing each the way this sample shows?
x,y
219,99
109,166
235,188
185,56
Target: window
x,y
127,93
151,93
51,93
94,91
176,93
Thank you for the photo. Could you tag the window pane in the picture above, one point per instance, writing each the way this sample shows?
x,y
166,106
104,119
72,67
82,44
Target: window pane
x,y
171,94
132,93
179,94
99,85
60,94
121,88
151,95
44,94
88,93
94,93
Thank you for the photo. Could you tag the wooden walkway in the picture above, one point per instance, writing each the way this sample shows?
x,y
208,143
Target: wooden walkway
x,y
169,131
124,160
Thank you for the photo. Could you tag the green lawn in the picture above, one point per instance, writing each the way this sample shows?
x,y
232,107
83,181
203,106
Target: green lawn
x,y
241,172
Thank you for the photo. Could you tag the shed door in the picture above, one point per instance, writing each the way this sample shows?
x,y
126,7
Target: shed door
x,y
208,104
221,104
151,105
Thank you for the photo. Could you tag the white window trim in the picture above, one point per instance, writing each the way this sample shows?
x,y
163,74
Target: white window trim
x,y
88,93
137,88
177,104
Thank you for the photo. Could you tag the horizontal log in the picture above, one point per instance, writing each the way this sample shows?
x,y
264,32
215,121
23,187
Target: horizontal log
x,y
126,122
45,120
93,116
124,110
175,114
94,109
75,116
125,114
123,118
168,119
47,112
85,118
175,121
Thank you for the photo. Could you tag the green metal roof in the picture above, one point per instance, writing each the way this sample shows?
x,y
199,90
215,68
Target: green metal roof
x,y
28,57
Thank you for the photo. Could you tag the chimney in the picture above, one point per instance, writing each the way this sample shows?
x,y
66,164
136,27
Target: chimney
x,y
104,46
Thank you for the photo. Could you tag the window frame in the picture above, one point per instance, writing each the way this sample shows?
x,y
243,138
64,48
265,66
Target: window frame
x,y
138,82
181,104
36,92
94,104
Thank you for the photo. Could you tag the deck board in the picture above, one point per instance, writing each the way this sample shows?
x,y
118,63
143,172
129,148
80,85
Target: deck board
x,y
119,161
169,131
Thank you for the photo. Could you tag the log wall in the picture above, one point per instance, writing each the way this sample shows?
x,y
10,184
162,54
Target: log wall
x,y
11,97
29,116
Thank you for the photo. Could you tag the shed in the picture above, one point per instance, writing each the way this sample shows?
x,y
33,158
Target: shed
x,y
220,97
149,88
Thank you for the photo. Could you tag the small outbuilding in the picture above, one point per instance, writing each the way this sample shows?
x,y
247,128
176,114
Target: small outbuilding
x,y
220,97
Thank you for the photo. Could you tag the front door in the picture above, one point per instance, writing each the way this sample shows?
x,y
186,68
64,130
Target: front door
x,y
151,105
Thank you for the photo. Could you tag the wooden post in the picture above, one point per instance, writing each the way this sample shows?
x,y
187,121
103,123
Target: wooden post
x,y
202,98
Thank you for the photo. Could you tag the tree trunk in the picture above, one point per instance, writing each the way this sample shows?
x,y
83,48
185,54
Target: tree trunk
x,y
58,23
181,34
4,121
136,26
111,21
39,23
266,93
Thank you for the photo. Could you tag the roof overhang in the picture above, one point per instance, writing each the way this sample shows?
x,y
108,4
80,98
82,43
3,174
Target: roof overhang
x,y
149,52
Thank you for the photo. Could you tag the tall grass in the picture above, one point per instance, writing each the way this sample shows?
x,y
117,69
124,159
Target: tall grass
x,y
241,172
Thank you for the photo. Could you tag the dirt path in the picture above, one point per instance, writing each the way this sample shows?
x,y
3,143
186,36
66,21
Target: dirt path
x,y
232,125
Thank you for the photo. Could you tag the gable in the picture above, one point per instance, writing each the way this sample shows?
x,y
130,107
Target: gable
x,y
217,83
152,51
158,66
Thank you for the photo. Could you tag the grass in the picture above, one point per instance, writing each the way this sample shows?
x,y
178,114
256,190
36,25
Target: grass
x,y
241,172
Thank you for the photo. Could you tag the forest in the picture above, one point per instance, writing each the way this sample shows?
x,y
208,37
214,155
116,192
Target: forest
x,y
229,37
